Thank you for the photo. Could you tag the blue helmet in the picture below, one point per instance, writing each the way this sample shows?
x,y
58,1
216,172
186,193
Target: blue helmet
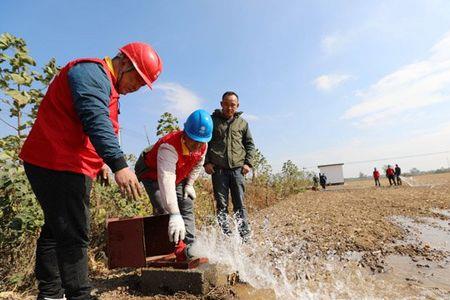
x,y
199,126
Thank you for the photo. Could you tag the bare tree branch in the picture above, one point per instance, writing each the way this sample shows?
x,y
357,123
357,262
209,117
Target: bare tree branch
x,y
8,124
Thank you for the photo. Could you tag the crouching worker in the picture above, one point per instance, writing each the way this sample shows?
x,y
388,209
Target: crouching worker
x,y
168,171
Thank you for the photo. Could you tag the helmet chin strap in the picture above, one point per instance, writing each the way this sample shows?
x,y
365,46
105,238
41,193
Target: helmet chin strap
x,y
120,75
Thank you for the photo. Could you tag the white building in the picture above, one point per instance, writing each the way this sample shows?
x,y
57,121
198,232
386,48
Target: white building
x,y
333,172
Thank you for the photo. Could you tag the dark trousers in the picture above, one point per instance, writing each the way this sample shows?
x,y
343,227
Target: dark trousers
x,y
399,180
392,180
186,206
377,182
323,184
61,252
226,181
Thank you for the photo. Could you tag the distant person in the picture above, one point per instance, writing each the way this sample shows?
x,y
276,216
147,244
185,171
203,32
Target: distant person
x,y
398,172
315,182
229,158
323,180
390,174
376,177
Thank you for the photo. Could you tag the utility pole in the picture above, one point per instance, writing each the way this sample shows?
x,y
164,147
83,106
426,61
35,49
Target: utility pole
x,y
146,135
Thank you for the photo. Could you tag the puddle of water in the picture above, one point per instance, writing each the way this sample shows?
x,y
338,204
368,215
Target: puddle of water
x,y
443,212
430,232
421,272
353,256
437,223
437,237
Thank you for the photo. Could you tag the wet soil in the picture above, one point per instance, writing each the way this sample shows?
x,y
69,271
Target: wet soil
x,y
367,228
344,220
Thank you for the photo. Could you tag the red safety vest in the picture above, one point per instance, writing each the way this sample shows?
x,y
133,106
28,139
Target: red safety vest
x,y
389,172
376,174
57,140
185,163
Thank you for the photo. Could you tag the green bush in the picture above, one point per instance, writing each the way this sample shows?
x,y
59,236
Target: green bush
x,y
20,220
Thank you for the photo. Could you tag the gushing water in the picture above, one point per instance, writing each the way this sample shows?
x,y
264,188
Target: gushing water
x,y
286,266
230,252
410,181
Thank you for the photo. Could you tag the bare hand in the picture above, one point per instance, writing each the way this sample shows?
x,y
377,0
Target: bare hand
x,y
245,169
209,168
128,183
103,175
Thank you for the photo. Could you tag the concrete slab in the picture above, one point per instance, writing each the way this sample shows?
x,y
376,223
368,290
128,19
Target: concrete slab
x,y
194,281
198,281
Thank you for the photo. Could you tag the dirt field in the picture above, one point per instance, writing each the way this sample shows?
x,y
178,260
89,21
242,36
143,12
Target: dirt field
x,y
340,243
353,223
355,217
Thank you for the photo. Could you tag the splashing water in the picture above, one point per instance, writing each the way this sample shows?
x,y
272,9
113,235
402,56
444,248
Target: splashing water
x,y
280,263
230,252
410,181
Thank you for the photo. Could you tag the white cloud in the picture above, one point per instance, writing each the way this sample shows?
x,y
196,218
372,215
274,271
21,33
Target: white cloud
x,y
250,117
330,43
330,81
408,88
337,42
180,100
269,117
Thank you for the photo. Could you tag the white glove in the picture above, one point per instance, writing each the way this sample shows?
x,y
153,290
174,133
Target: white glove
x,y
177,231
189,191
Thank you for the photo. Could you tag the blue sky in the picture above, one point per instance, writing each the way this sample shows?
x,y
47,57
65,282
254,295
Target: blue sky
x,y
319,81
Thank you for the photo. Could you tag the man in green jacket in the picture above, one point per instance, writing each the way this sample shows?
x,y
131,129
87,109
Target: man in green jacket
x,y
228,160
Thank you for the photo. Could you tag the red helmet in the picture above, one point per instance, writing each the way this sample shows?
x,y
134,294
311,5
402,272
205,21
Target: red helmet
x,y
145,60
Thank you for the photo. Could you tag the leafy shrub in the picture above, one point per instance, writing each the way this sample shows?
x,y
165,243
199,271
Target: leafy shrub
x,y
20,220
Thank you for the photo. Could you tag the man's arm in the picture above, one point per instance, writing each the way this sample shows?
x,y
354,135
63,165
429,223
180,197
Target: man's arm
x,y
91,90
193,175
207,159
249,146
166,168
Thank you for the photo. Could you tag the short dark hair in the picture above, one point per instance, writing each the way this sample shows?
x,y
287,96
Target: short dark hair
x,y
229,93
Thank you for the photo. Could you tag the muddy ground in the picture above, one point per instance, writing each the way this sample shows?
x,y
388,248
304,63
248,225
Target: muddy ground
x,y
355,226
356,217
336,243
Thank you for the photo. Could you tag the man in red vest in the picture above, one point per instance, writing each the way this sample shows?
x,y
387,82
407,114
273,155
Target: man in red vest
x,y
73,139
376,177
168,171
390,174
